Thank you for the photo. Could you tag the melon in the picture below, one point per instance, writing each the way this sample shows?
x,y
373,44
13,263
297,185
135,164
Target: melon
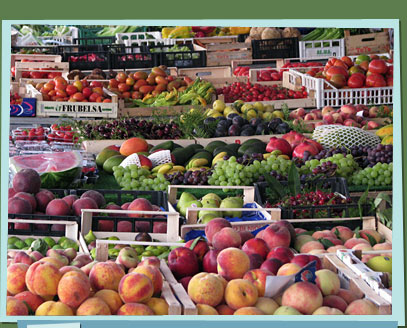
x,y
57,170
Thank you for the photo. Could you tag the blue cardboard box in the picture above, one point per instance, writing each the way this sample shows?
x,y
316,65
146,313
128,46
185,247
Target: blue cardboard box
x,y
26,109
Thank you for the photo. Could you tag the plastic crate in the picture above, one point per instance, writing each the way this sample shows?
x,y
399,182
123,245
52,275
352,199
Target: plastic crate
x,y
124,38
88,32
132,57
43,50
275,48
103,40
180,59
338,185
88,60
321,48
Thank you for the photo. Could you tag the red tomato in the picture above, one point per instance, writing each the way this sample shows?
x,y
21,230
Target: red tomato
x,y
336,70
113,83
78,96
71,90
95,84
86,92
378,66
356,81
375,80
93,97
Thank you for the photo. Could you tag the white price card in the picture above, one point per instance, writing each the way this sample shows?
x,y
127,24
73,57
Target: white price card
x,y
59,325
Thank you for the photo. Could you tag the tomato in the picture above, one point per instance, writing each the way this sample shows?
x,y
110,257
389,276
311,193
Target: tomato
x,y
95,84
121,77
93,97
36,75
340,63
389,80
78,96
378,66
71,90
113,83
336,70
99,90
356,81
86,92
347,60
375,80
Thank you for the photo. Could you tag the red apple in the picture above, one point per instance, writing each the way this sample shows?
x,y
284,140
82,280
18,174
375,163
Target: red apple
x,y
209,263
183,262
256,246
200,249
348,109
284,254
271,265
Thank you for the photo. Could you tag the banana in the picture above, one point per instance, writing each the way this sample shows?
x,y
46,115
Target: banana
x,y
265,156
179,168
157,168
276,152
283,156
218,157
199,162
167,167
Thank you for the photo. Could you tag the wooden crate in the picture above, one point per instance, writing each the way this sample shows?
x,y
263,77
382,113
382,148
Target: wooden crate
x,y
96,146
43,67
349,280
384,231
150,111
74,109
203,42
71,230
172,234
15,58
372,43
253,78
378,281
222,54
291,103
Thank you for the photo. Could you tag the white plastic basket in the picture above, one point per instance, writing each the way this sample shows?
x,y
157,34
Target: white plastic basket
x,y
327,95
123,38
316,49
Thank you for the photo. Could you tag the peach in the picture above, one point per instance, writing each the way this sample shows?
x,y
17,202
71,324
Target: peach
x,y
303,296
278,299
152,260
347,295
240,293
343,233
362,247
245,236
16,278
23,257
93,306
233,263
333,249
73,288
276,235
42,279
302,240
105,275
200,248
222,280
135,287
299,231
69,268
135,309
311,245
214,226
154,274
284,254
111,298
249,310
32,301
205,309
317,251
362,307
326,310
365,233
350,243
328,282
383,246
335,301
225,238
205,288
267,305
158,305
88,267
288,269
334,241
54,261
303,259
271,265
323,234
51,308
224,309
287,310
258,278
15,307
256,246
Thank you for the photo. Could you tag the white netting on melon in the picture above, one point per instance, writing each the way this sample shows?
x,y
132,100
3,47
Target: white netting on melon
x,y
132,159
160,157
347,136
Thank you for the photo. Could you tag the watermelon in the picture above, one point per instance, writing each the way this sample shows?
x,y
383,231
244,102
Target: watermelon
x,y
57,170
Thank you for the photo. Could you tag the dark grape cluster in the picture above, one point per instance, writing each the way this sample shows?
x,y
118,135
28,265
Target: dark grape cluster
x,y
275,174
380,154
248,159
197,177
130,127
326,153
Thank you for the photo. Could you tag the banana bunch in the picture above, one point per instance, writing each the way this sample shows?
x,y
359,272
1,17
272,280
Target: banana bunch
x,y
277,153
197,163
218,157
168,168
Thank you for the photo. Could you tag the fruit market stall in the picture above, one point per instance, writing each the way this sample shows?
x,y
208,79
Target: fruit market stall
x,y
208,168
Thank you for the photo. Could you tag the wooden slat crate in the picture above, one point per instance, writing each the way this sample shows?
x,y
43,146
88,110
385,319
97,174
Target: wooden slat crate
x,y
15,58
385,232
371,43
43,67
253,78
222,54
349,280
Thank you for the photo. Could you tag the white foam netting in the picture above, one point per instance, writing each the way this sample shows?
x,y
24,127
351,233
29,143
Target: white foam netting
x,y
347,136
160,157
132,159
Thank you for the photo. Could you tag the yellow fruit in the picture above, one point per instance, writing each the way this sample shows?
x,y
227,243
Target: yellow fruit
x,y
216,114
387,140
219,105
267,116
227,110
259,106
278,114
210,112
246,107
385,131
380,264
252,113
269,108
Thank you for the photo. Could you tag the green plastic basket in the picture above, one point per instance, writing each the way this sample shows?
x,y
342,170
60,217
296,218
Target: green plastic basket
x,y
373,188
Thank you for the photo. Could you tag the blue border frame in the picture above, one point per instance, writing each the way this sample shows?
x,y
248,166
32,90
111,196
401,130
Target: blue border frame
x,y
175,321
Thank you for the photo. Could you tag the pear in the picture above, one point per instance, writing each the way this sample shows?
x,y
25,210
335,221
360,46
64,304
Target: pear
x,y
90,236
191,203
185,197
212,196
210,203
232,202
203,213
206,218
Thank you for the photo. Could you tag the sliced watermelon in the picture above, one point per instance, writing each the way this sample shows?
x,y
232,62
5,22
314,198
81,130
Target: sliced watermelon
x,y
57,170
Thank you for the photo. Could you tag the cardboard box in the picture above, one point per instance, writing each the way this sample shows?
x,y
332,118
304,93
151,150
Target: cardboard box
x,y
372,43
